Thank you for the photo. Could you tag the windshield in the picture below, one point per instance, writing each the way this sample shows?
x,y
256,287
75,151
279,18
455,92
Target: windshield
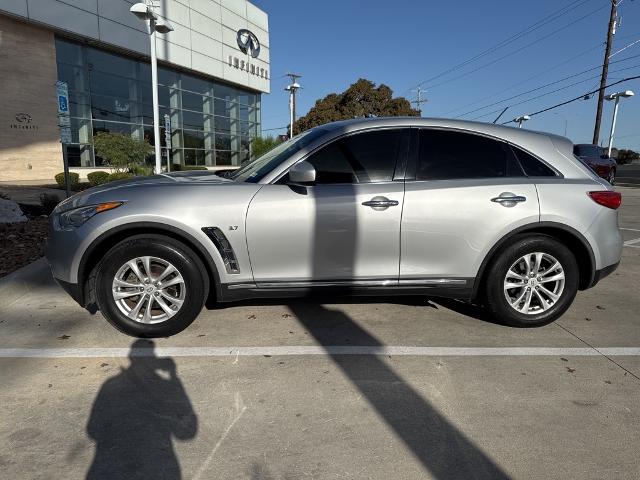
x,y
255,171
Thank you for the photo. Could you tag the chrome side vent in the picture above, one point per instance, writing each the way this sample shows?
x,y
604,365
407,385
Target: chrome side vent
x,y
224,248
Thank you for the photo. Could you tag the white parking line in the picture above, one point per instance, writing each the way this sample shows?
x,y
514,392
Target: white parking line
x,y
314,350
630,229
632,243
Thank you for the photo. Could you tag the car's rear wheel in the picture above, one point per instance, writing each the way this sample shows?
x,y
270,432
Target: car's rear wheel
x,y
150,286
612,177
532,282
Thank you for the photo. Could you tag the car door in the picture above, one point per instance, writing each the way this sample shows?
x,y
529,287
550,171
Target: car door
x,y
467,191
345,227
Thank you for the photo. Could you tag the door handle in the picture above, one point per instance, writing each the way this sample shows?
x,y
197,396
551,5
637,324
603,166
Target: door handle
x,y
380,202
508,199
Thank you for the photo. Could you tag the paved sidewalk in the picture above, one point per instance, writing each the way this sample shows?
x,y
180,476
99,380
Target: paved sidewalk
x,y
404,388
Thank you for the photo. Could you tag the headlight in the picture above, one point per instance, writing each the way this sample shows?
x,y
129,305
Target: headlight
x,y
77,216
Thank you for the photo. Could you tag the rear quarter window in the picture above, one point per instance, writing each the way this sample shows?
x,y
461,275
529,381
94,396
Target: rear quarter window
x,y
532,166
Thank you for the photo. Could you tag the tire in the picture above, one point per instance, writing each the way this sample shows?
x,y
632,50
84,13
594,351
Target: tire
x,y
183,291
542,308
612,177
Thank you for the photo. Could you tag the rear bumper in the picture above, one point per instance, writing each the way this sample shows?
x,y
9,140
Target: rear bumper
x,y
603,272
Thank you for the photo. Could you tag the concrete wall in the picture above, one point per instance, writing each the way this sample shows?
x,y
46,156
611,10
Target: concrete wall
x,y
29,137
203,39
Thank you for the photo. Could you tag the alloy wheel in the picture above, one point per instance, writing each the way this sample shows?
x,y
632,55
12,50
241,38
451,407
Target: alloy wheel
x,y
534,283
148,290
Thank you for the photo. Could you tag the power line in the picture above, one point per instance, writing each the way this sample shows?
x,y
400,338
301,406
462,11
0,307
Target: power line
x,y
528,79
539,24
555,32
544,86
555,91
624,48
580,97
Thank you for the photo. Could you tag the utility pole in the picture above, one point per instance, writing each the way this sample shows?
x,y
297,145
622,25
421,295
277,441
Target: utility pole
x,y
292,88
605,69
419,101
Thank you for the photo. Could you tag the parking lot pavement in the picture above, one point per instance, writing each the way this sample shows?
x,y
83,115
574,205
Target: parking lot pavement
x,y
383,388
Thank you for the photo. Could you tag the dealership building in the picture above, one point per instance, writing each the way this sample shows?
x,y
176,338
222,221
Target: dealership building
x,y
212,70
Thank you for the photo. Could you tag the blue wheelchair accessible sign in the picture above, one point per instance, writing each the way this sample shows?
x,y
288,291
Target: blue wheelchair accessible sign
x,y
62,92
63,106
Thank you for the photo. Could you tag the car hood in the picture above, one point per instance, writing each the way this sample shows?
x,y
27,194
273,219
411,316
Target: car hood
x,y
122,189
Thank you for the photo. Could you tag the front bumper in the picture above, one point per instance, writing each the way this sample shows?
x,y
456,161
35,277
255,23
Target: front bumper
x,y
60,251
74,290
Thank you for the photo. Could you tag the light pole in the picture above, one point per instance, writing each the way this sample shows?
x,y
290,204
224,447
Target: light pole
x,y
566,122
521,119
292,98
145,12
616,96
292,104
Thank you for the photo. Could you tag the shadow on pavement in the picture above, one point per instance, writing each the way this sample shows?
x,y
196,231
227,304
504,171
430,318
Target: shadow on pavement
x,y
135,418
443,450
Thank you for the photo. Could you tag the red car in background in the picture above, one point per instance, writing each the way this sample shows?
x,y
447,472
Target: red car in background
x,y
597,159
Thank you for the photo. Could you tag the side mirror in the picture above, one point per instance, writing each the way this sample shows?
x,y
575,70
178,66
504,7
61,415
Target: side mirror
x,y
302,172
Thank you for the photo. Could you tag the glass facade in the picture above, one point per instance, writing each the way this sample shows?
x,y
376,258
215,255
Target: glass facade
x,y
212,123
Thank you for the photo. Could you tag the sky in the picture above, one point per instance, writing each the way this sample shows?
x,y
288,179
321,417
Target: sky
x,y
406,43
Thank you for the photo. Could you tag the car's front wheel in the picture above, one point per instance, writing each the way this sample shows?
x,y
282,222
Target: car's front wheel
x,y
150,286
532,282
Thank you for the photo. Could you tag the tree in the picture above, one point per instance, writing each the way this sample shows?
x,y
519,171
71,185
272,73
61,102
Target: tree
x,y
362,99
121,152
626,156
261,145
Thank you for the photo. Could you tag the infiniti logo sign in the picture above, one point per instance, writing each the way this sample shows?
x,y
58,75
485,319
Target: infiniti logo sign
x,y
23,118
248,42
249,45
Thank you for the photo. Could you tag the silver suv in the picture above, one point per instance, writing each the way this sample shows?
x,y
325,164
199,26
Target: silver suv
x,y
503,217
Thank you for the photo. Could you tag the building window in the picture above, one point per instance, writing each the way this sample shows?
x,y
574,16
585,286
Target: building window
x,y
211,123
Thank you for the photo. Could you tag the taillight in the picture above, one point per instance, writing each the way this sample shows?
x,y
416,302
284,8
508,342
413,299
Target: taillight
x,y
607,198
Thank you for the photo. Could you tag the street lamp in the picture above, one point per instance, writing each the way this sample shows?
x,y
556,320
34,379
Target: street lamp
x,y
521,119
616,96
145,12
292,104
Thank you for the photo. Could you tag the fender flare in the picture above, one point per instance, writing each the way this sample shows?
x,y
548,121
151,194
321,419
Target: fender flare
x,y
151,227
591,279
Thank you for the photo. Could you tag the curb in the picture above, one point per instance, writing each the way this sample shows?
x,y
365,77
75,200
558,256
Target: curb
x,y
21,282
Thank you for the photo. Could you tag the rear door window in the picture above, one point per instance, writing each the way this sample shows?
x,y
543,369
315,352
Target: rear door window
x,y
453,155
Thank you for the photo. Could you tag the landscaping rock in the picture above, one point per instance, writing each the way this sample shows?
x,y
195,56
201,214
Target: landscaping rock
x,y
10,212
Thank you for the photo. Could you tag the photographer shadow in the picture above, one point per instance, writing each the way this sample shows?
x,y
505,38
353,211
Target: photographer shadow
x,y
135,417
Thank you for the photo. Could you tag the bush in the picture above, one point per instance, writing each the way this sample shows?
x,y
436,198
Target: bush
x,y
119,176
261,145
74,178
97,178
120,151
626,156
48,202
186,168
142,170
